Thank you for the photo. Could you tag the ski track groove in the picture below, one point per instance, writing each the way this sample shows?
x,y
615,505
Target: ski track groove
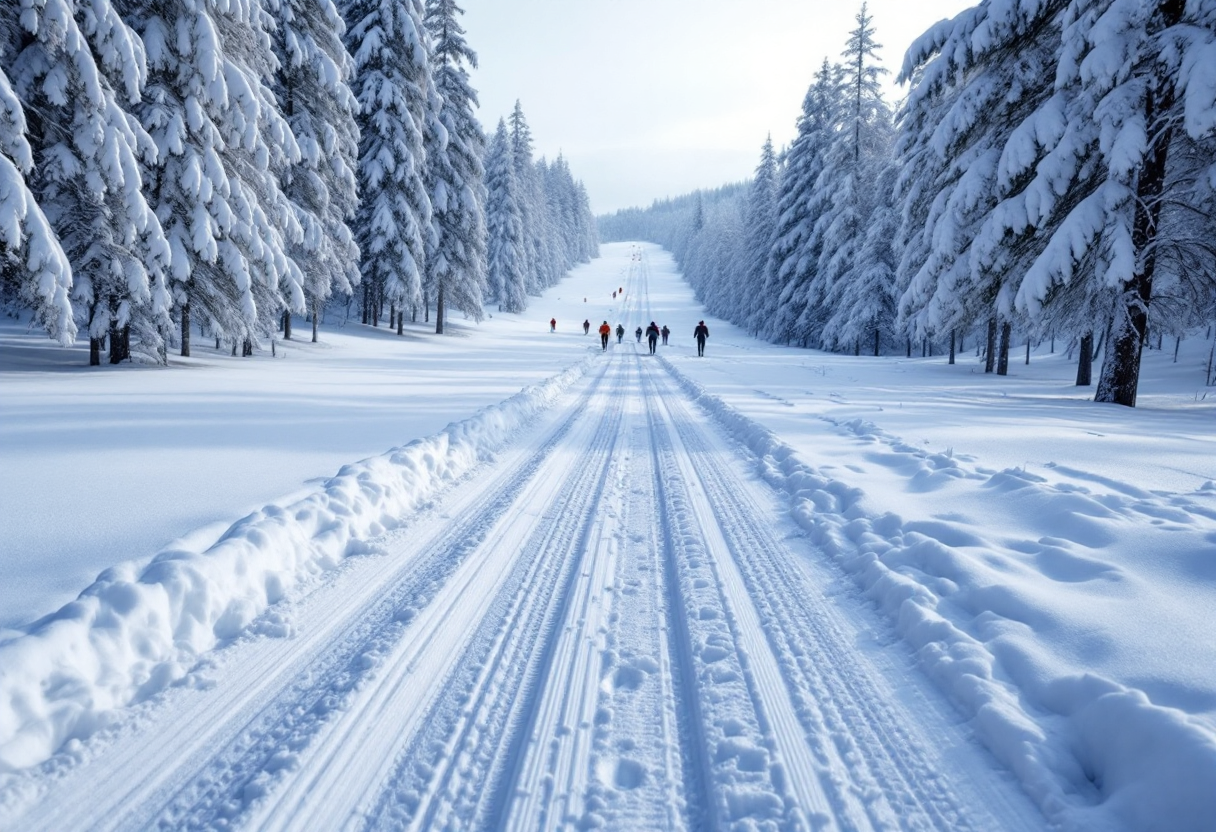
x,y
841,711
198,787
452,772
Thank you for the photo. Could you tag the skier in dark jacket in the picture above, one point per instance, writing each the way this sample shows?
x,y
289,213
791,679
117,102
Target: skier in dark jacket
x,y
665,332
620,332
638,334
586,327
652,336
701,333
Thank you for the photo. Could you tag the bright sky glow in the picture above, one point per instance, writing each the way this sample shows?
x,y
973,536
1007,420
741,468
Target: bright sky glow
x,y
655,98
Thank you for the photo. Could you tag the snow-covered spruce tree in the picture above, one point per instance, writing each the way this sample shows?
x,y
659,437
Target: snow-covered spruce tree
x,y
530,196
34,271
848,185
796,248
222,147
960,115
456,260
504,225
1082,181
398,106
748,289
314,94
77,68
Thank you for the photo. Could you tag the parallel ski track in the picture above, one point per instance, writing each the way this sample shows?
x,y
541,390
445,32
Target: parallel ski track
x,y
186,783
875,773
460,770
757,778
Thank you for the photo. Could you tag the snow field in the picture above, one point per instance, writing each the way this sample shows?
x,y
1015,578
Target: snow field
x,y
134,632
1064,735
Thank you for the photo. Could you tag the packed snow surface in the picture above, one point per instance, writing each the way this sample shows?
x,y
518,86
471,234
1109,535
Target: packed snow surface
x,y
503,579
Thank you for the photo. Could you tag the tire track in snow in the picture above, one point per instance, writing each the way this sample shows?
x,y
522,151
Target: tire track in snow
x,y
202,778
457,772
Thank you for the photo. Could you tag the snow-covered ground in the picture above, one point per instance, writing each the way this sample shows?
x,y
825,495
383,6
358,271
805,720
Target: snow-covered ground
x,y
768,588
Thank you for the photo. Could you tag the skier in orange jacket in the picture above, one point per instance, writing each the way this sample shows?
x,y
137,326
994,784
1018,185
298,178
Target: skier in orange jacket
x,y
605,331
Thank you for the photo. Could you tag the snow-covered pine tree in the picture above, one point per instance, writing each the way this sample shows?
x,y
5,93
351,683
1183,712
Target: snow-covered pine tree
x,y
456,262
848,183
1102,93
395,90
77,67
797,242
958,118
530,196
314,94
504,225
222,146
760,224
34,271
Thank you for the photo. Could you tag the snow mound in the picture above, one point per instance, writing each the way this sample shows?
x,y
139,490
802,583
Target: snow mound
x,y
1091,752
135,631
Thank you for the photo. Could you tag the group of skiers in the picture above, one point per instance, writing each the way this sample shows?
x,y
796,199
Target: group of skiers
x,y
653,333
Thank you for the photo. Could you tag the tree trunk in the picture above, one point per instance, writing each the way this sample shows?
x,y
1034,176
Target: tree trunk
x,y
990,356
439,310
392,316
316,313
286,324
186,329
366,305
909,346
1177,345
1027,350
1121,363
951,346
1002,360
401,322
877,342
856,346
94,352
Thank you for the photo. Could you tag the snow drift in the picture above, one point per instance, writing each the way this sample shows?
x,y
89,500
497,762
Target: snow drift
x,y
134,631
1082,746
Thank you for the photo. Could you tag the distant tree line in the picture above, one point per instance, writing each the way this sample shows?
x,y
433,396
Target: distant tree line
x,y
170,167
1052,169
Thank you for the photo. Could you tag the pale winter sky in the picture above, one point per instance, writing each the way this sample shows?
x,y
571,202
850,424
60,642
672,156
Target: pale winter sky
x,y
655,98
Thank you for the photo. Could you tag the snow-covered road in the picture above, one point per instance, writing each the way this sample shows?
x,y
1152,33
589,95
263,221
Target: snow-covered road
x,y
610,624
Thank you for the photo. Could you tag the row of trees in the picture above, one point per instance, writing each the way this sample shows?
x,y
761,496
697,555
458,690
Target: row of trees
x,y
1053,168
166,164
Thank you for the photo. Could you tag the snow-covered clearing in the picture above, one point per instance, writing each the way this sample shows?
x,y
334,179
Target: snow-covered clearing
x,y
766,589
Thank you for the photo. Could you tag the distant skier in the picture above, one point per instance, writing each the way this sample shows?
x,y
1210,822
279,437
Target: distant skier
x,y
638,332
620,332
701,333
652,335
666,332
605,331
586,327
553,324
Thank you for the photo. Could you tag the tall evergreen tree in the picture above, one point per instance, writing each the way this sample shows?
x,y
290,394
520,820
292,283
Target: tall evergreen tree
x,y
222,146
505,232
34,270
76,70
530,198
795,249
456,262
748,292
315,96
398,106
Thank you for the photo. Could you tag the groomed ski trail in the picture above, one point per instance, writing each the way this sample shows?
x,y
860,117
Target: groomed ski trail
x,y
611,625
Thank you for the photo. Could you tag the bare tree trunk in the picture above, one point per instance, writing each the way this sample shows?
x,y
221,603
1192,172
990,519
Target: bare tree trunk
x,y
990,356
1121,362
439,310
1002,360
1028,350
1177,346
186,330
286,324
94,352
877,342
316,313
951,347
